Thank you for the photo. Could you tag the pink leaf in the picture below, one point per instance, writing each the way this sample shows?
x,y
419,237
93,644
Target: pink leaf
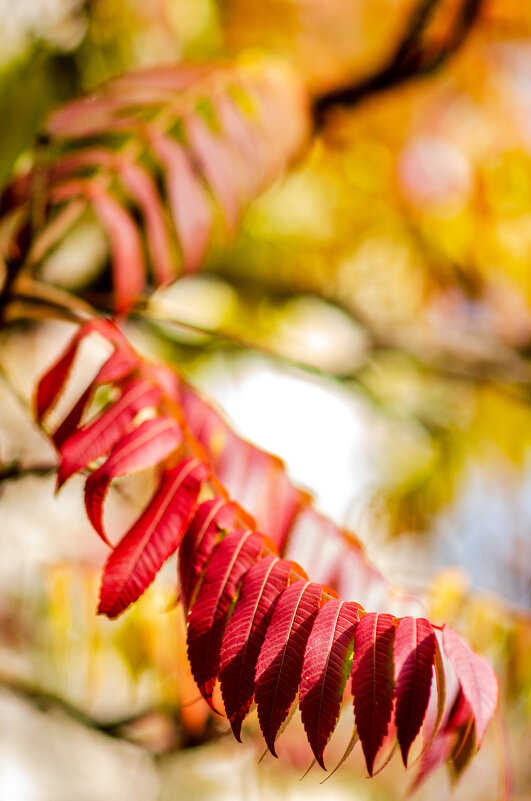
x,y
279,665
327,665
372,681
135,561
126,247
219,165
477,680
142,188
189,204
245,634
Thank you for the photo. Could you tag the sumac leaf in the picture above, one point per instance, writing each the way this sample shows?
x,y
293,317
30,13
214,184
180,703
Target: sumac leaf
x,y
414,651
52,382
138,557
97,437
145,446
245,634
231,559
372,681
327,665
199,540
279,665
126,248
117,367
190,208
477,680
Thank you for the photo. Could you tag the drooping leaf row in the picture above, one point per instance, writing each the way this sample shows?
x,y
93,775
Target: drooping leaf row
x,y
256,622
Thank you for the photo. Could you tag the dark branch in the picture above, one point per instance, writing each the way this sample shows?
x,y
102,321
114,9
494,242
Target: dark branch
x,y
14,471
46,701
410,59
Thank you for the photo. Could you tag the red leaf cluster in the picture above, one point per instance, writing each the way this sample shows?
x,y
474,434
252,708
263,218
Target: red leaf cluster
x,y
256,622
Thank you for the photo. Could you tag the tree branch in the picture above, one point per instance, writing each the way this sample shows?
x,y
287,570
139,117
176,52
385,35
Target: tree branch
x,y
45,700
14,470
512,376
410,59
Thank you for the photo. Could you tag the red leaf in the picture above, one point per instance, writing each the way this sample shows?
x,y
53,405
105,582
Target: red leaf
x,y
145,446
97,437
231,559
327,664
280,661
52,382
199,540
414,651
118,366
137,558
436,754
476,678
372,681
245,634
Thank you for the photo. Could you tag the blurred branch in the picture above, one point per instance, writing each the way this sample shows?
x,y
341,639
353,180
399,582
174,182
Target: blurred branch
x,y
48,701
508,371
14,470
410,59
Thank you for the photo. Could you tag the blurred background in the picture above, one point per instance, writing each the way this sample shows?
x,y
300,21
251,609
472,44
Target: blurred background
x,y
370,323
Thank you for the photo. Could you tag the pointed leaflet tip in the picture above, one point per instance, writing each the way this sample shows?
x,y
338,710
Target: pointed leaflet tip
x,y
414,651
327,663
245,634
476,678
372,681
137,558
279,665
231,559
